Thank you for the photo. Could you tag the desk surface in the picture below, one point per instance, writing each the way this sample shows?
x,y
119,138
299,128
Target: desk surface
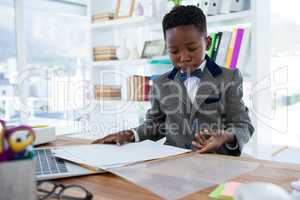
x,y
108,186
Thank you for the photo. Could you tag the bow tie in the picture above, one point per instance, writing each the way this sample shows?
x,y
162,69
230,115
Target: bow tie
x,y
197,73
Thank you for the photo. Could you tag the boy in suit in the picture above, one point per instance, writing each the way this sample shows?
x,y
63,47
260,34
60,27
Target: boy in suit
x,y
198,105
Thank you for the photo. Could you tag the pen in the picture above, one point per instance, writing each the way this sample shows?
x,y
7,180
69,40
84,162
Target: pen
x,y
40,126
94,169
206,134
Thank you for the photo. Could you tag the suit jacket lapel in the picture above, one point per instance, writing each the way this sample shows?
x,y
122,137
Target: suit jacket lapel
x,y
207,85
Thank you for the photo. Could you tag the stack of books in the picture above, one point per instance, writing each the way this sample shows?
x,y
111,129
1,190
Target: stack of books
x,y
107,92
100,17
230,49
103,53
138,88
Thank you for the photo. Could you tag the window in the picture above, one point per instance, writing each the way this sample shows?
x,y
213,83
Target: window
x,y
57,52
285,30
8,67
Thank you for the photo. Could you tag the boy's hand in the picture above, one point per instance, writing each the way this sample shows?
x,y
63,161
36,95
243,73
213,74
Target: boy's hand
x,y
213,143
118,138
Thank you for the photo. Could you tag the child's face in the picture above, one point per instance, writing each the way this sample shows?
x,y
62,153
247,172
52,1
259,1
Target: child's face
x,y
186,47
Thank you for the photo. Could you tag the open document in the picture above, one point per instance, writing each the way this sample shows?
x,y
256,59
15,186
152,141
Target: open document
x,y
107,156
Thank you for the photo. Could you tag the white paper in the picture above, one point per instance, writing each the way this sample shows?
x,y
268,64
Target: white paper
x,y
183,175
105,156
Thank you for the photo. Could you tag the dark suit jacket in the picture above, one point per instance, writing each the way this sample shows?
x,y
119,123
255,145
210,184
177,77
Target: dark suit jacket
x,y
218,105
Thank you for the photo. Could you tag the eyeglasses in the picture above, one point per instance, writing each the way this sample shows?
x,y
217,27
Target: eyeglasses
x,y
50,190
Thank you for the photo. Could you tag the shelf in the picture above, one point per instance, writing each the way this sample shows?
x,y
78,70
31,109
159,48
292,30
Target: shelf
x,y
113,101
144,62
133,22
14,98
244,15
123,105
121,62
223,19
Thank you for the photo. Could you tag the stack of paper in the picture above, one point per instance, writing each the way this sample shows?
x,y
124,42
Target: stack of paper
x,y
107,156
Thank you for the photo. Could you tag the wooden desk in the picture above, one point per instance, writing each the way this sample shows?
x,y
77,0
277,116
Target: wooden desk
x,y
108,186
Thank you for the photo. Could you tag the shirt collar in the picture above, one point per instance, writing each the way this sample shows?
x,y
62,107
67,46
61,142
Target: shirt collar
x,y
201,66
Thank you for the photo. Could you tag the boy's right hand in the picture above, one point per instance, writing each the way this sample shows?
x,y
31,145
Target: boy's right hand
x,y
118,138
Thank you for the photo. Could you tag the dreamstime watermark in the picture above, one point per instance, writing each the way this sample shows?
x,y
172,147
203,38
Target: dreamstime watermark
x,y
265,103
65,94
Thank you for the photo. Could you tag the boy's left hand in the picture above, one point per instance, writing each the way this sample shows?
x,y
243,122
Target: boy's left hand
x,y
213,143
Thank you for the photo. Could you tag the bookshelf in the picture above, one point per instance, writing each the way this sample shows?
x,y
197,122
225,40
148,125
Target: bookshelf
x,y
139,29
121,62
123,23
138,21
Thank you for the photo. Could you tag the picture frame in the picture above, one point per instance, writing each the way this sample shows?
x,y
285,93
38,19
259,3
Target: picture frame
x,y
124,8
153,48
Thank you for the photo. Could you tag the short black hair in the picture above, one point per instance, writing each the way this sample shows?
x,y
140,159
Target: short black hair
x,y
185,15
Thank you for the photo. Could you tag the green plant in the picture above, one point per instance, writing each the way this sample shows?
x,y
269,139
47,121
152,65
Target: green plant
x,y
176,2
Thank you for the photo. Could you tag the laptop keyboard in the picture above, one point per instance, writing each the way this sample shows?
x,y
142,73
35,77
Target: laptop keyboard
x,y
47,163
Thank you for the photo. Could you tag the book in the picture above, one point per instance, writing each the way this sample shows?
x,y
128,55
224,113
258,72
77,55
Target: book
x,y
108,98
129,88
101,19
223,47
105,48
105,54
104,57
237,46
244,53
103,15
146,89
217,45
109,87
107,91
108,94
108,49
212,45
134,83
138,88
230,49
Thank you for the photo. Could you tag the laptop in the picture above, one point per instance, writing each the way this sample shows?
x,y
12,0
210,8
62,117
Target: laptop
x,y
50,167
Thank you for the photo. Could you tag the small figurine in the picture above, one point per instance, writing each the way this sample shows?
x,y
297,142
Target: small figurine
x,y
20,140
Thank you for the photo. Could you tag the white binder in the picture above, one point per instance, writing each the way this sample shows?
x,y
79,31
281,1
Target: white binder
x,y
225,6
211,7
239,5
223,48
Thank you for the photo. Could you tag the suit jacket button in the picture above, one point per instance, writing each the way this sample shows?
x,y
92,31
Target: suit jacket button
x,y
188,146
